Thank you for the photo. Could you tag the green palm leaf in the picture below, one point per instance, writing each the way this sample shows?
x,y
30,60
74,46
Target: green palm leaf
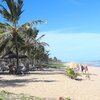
x,y
5,27
3,44
14,10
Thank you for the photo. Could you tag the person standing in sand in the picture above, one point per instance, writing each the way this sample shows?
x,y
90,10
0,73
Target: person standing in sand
x,y
84,68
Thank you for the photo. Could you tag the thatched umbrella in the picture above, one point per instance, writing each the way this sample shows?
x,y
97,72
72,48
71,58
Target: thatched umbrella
x,y
11,55
73,65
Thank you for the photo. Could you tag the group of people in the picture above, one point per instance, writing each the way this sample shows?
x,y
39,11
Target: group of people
x,y
78,67
82,68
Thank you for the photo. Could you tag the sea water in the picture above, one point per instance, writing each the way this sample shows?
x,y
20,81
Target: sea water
x,y
95,63
91,63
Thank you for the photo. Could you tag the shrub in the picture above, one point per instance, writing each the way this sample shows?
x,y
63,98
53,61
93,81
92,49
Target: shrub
x,y
68,98
4,95
71,73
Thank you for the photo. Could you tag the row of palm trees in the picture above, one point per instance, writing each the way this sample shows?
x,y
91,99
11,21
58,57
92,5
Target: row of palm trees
x,y
20,39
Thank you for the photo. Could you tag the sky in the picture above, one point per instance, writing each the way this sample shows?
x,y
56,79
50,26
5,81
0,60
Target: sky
x,y
72,29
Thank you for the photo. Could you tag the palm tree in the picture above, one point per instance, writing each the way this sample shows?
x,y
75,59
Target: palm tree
x,y
33,47
6,38
39,51
26,42
12,14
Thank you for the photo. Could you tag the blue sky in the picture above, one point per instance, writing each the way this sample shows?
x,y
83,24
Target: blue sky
x,y
73,28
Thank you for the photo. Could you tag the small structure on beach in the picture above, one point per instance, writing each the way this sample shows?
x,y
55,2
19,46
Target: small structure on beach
x,y
78,66
73,65
10,59
11,55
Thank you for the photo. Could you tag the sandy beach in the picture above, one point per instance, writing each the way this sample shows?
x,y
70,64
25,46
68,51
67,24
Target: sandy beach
x,y
54,84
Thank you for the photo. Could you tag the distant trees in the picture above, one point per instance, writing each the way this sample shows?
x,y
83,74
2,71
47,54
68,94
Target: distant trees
x,y
54,59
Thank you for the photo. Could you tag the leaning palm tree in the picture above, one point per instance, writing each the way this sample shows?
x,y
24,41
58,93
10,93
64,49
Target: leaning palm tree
x,y
12,14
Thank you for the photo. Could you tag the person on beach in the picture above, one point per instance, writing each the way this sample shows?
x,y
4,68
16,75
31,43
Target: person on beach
x,y
84,68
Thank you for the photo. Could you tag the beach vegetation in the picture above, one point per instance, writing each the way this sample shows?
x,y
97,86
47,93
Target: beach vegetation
x,y
54,65
68,98
4,95
72,73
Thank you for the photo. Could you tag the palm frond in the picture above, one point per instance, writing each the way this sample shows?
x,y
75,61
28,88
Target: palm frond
x,y
31,23
5,27
44,44
14,10
19,6
4,12
3,44
10,3
39,21
40,37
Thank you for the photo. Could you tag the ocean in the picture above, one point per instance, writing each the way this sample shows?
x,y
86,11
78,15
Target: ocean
x,y
92,63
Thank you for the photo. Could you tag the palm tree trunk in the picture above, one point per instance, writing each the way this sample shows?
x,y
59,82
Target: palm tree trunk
x,y
16,48
17,55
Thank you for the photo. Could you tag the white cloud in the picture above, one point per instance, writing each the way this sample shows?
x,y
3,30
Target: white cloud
x,y
73,46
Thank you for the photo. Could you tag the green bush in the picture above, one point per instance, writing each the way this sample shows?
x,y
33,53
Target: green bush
x,y
67,98
4,95
54,65
71,73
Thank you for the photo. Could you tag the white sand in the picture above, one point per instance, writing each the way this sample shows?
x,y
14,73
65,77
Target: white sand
x,y
54,85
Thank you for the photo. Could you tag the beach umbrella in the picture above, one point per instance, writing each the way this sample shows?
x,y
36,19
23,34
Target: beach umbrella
x,y
12,55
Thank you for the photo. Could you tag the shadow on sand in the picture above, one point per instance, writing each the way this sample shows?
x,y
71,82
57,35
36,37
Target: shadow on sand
x,y
23,82
20,82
